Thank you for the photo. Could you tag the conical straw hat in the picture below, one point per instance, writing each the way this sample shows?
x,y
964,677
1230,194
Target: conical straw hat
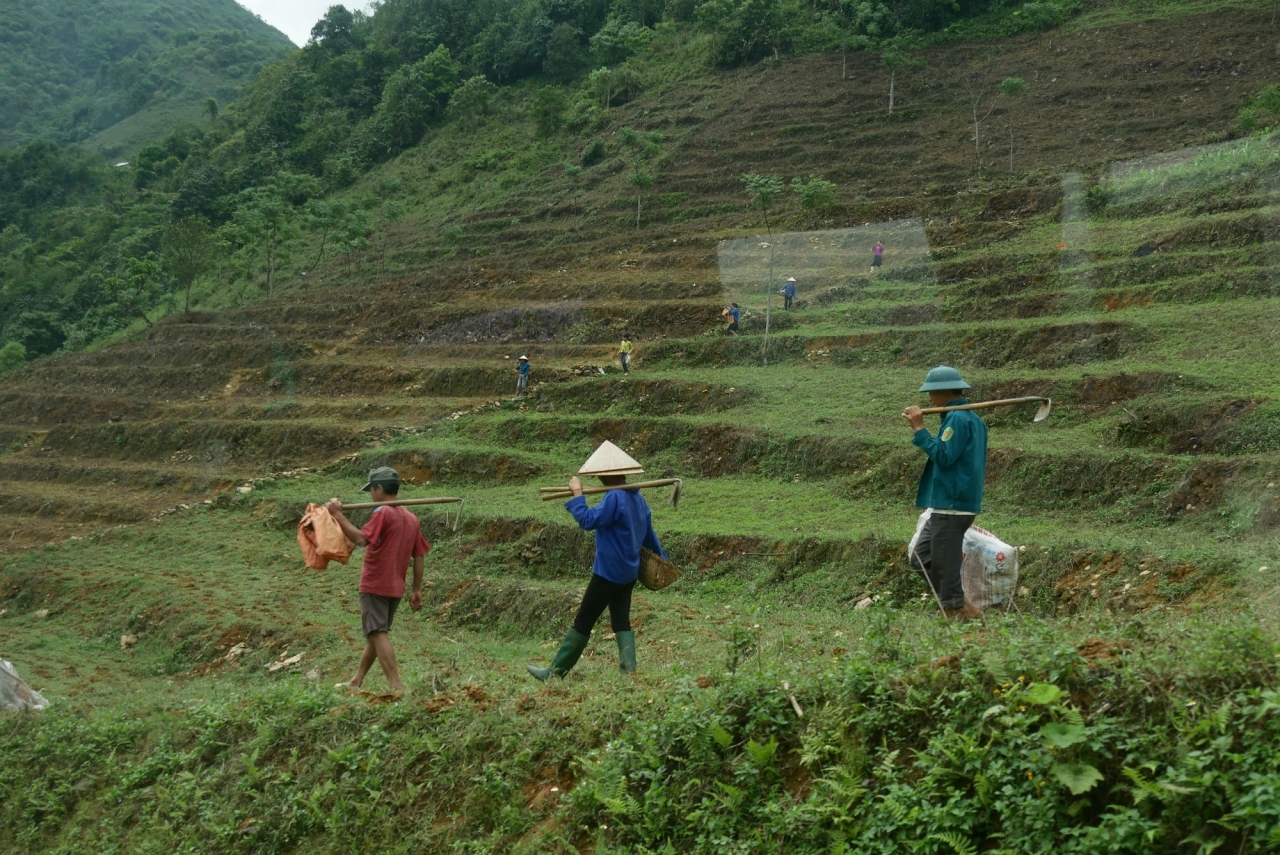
x,y
608,459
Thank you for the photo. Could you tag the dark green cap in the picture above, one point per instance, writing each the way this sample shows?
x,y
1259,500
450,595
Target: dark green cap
x,y
943,378
383,476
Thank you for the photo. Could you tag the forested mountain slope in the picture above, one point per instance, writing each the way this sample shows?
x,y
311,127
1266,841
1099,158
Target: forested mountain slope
x,y
72,68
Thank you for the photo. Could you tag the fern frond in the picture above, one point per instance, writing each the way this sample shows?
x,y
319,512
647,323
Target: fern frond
x,y
958,843
983,787
885,769
997,667
896,811
1143,788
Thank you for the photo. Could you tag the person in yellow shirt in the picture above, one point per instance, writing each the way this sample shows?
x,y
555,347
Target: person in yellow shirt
x,y
624,353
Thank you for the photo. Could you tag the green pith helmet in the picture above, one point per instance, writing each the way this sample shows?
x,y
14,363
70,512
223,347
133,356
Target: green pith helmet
x,y
943,377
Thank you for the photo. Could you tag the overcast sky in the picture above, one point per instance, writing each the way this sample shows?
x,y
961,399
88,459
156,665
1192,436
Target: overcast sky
x,y
295,18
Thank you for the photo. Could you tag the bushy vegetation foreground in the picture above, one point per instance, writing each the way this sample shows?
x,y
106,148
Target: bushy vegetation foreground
x,y
1020,736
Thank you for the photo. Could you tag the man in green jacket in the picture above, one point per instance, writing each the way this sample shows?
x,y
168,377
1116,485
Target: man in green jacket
x,y
950,488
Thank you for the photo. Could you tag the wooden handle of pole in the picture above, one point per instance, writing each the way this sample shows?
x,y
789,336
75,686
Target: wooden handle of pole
x,y
982,405
439,500
549,493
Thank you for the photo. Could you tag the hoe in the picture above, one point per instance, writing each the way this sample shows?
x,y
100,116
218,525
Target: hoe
x,y
550,493
1041,414
437,500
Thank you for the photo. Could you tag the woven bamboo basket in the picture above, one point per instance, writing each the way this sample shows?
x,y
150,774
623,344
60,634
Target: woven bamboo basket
x,y
657,572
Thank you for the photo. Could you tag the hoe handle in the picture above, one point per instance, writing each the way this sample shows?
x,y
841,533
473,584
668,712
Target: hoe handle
x,y
440,500
982,405
550,493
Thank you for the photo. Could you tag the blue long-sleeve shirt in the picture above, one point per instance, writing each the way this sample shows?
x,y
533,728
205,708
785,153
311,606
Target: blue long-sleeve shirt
x,y
957,469
623,524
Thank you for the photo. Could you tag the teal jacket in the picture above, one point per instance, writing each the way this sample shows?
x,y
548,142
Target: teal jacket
x,y
957,467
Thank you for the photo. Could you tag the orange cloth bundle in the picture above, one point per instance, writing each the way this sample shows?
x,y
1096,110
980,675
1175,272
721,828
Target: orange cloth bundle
x,y
321,538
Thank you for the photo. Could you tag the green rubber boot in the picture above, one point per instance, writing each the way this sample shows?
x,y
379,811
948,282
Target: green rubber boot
x,y
570,649
626,652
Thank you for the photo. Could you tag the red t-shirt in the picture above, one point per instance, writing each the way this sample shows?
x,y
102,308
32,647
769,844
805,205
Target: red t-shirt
x,y
394,536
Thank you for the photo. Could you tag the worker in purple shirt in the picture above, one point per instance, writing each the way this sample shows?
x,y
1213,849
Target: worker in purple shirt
x,y
877,256
623,524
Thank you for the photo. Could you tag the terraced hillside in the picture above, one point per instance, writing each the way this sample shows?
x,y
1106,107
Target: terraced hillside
x,y
1139,294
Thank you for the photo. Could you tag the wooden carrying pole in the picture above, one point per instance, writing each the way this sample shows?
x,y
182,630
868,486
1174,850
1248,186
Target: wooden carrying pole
x,y
1041,414
438,500
550,493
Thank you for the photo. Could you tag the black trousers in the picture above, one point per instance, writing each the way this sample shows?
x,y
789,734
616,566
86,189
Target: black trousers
x,y
939,554
602,594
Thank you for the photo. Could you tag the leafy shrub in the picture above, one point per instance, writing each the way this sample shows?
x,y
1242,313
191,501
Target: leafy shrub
x,y
474,97
12,355
593,152
1260,111
814,192
548,110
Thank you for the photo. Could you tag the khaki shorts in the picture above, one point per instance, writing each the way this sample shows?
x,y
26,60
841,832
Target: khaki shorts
x,y
376,613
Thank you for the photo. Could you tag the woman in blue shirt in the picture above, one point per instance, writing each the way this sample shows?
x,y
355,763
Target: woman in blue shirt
x,y
623,524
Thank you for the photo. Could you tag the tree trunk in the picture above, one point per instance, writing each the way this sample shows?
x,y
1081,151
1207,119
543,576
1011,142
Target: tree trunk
x,y
844,55
271,262
1011,145
324,239
893,73
186,310
977,150
637,210
768,304
137,308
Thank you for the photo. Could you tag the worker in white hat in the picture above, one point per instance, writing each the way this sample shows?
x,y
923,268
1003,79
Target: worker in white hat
x,y
522,381
788,292
623,524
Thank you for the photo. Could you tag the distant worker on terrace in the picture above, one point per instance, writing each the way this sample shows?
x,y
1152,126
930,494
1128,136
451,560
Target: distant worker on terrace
x,y
522,379
390,537
731,314
788,293
624,353
950,488
623,524
877,256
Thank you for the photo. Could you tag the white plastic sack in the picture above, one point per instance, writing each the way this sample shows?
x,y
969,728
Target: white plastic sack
x,y
915,538
16,694
989,573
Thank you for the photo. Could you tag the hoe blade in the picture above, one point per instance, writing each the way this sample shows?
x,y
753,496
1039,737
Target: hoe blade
x,y
1043,412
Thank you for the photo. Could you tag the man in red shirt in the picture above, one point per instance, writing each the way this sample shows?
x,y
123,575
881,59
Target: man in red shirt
x,y
390,538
